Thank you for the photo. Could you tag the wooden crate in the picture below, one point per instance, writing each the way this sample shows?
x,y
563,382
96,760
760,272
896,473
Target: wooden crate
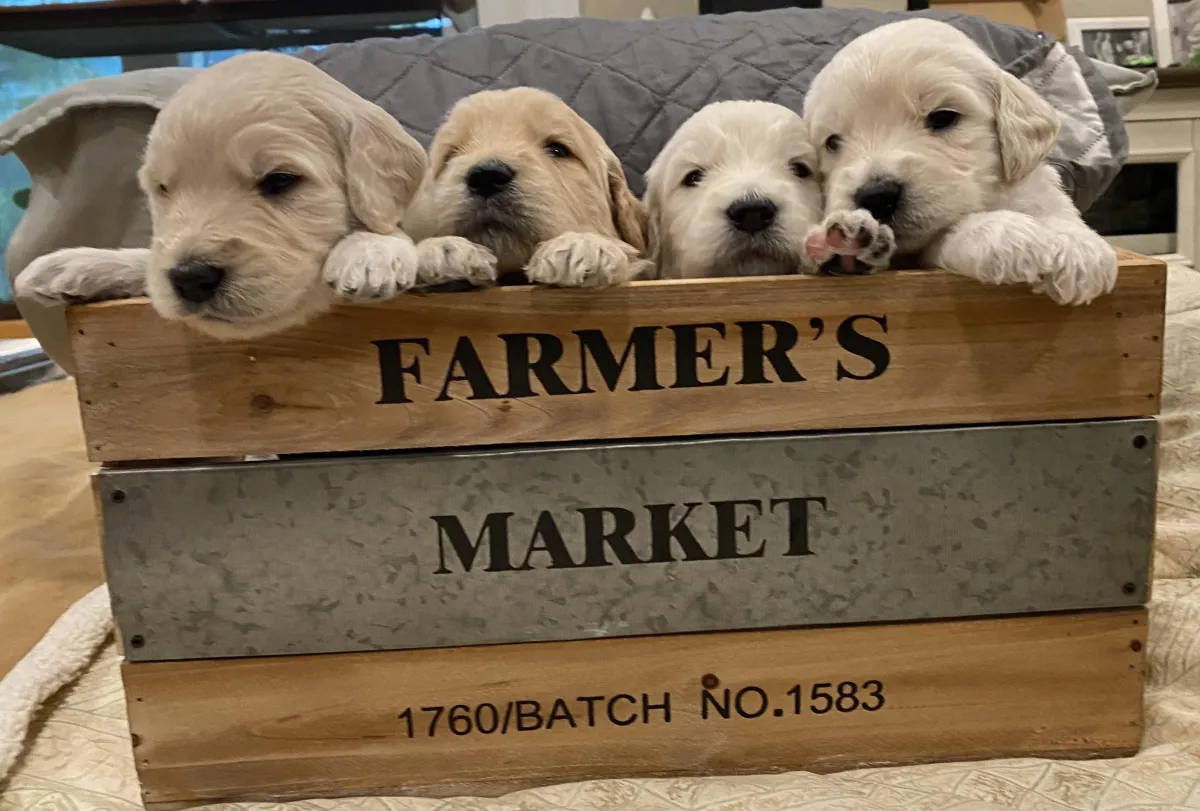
x,y
486,720
655,359
813,365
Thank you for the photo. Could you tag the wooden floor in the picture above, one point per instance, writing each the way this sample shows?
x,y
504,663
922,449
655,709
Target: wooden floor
x,y
49,543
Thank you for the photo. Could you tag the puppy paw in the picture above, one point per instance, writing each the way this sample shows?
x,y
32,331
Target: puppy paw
x,y
584,260
851,243
81,275
1086,268
371,266
997,247
445,260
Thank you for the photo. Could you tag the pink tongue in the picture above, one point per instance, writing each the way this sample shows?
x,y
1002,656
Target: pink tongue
x,y
848,263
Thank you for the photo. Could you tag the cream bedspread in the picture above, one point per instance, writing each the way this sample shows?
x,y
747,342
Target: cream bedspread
x,y
80,759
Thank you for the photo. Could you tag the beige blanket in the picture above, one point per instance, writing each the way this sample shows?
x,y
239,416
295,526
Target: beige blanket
x,y
80,759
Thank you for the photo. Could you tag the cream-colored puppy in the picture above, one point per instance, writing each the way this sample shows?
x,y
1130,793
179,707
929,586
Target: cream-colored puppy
x,y
520,182
734,193
919,131
273,189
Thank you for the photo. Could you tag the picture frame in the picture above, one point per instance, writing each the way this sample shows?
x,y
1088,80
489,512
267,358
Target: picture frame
x,y
1174,21
1125,41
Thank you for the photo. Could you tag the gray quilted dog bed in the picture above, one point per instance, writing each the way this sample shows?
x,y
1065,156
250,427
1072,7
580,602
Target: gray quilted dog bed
x,y
637,81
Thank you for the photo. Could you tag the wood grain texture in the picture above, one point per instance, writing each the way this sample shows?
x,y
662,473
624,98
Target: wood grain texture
x,y
1067,685
957,352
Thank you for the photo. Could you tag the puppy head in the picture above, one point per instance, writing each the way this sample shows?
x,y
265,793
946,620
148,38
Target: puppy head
x,y
510,169
734,190
253,171
916,124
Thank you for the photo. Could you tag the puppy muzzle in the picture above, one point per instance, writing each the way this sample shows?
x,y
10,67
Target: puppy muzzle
x,y
488,179
195,281
882,196
752,215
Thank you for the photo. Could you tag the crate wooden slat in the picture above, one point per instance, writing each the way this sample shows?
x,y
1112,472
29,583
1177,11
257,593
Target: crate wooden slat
x,y
1067,685
421,549
954,351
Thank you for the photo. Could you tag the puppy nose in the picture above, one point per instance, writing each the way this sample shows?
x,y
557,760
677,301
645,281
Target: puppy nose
x,y
490,178
881,196
196,282
752,214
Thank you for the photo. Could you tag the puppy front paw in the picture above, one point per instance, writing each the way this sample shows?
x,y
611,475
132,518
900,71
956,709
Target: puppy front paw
x,y
445,260
997,247
851,243
584,260
365,265
81,275
1086,268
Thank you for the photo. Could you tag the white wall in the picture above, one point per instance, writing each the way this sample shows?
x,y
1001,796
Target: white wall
x,y
877,5
494,12
632,9
1107,8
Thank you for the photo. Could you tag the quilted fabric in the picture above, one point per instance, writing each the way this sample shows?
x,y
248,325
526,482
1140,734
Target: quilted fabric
x,y
637,81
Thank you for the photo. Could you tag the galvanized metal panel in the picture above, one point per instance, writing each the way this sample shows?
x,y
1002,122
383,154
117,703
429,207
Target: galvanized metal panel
x,y
371,553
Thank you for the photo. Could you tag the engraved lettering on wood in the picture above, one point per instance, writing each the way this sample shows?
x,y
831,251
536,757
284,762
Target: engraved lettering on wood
x,y
490,719
652,359
526,371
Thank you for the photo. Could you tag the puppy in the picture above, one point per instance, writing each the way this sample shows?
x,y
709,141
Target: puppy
x,y
519,182
734,193
919,131
273,189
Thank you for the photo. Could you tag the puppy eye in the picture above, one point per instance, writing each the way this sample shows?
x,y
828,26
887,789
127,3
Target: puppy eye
x,y
162,189
693,178
277,183
556,150
801,170
940,120
833,143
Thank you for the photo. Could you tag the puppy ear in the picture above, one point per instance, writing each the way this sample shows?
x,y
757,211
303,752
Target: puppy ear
x,y
653,203
1026,124
628,212
384,166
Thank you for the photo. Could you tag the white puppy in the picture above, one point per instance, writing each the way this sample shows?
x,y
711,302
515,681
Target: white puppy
x,y
920,131
273,189
734,193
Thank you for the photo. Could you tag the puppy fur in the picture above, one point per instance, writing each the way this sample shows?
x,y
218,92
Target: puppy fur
x,y
520,182
917,127
273,189
734,192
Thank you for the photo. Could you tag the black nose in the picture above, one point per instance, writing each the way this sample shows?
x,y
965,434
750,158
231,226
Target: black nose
x,y
490,178
196,282
881,196
752,214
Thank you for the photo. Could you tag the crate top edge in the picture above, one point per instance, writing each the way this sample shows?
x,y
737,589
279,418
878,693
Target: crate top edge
x,y
1127,260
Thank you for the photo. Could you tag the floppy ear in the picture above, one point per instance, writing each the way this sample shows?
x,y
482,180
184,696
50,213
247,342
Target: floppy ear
x,y
653,201
384,166
1026,124
628,212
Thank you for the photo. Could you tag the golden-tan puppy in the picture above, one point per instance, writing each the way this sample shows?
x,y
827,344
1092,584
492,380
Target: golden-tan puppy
x,y
273,189
734,192
518,181
921,134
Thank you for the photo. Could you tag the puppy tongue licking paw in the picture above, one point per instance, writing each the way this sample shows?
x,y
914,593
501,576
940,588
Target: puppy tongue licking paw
x,y
850,243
